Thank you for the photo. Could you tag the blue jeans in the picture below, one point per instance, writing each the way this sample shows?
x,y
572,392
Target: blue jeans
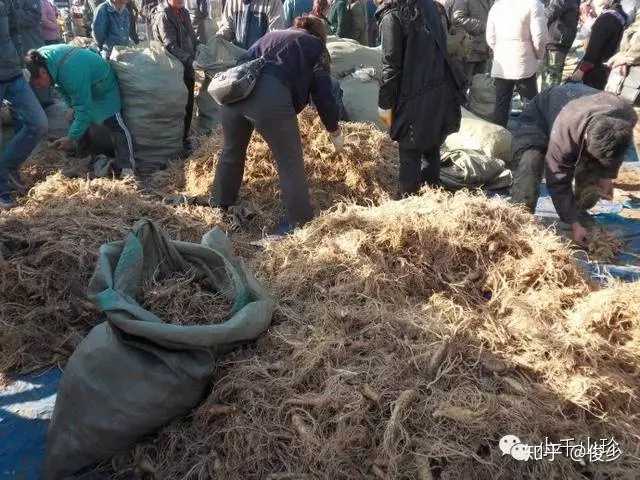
x,y
33,126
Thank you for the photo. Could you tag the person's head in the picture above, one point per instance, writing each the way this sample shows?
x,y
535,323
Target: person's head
x,y
606,140
120,4
601,5
320,8
313,25
36,64
176,3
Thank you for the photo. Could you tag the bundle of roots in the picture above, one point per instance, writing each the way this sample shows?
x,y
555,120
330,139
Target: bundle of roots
x,y
409,339
186,298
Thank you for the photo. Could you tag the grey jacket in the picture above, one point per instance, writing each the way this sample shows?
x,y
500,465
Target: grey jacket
x,y
471,15
10,62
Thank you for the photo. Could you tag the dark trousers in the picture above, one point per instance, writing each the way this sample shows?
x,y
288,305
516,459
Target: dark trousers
x,y
270,111
527,88
190,83
418,168
120,140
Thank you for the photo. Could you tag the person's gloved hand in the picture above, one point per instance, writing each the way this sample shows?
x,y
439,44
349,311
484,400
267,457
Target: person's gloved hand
x,y
386,117
337,139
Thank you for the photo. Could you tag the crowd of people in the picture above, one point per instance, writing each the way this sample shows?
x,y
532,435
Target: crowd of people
x,y
572,126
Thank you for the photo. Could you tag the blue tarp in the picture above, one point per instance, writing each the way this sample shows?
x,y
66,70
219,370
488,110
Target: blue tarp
x,y
608,215
26,406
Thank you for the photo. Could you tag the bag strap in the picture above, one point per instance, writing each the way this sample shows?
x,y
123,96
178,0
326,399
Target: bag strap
x,y
444,53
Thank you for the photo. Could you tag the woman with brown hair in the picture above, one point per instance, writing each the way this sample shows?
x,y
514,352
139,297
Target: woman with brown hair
x,y
296,69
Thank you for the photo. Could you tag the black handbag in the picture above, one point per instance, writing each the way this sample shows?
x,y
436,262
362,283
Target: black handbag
x,y
237,83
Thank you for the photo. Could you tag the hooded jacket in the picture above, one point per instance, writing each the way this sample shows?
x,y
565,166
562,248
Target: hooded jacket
x,y
562,23
555,122
417,84
111,27
87,83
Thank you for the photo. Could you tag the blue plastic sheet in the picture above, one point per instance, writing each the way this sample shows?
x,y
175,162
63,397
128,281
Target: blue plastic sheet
x,y
607,214
26,406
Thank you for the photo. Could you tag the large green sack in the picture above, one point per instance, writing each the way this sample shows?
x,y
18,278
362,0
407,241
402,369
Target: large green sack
x,y
477,134
216,56
134,373
473,169
482,96
348,56
154,99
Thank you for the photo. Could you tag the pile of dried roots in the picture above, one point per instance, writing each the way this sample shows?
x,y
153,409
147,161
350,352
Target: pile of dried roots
x,y
186,298
48,248
410,338
364,172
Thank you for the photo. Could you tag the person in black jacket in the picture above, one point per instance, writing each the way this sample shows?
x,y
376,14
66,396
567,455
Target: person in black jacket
x,y
569,132
419,98
173,28
297,66
604,41
562,23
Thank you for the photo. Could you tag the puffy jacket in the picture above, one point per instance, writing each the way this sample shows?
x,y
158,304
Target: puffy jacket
x,y
471,16
174,30
517,34
28,16
111,27
562,23
87,83
244,22
10,60
422,94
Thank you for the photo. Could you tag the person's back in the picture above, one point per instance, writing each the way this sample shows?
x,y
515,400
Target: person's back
x,y
290,56
517,35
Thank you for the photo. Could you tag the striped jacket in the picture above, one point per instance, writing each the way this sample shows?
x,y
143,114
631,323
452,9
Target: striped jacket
x,y
244,22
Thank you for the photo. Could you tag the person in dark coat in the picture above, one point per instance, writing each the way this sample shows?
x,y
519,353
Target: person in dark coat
x,y
604,41
562,23
419,98
173,28
570,131
297,68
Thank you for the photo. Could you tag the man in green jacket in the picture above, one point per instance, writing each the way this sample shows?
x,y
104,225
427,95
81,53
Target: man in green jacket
x,y
340,19
89,86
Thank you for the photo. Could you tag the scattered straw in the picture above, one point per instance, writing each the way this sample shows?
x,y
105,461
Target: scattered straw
x,y
49,247
410,337
603,246
365,171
